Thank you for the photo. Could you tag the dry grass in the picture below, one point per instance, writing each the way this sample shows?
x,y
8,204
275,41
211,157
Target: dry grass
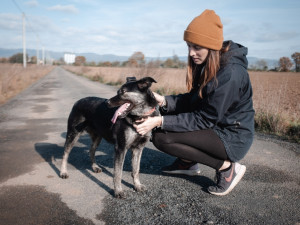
x,y
272,91
14,78
277,93
168,80
276,96
276,101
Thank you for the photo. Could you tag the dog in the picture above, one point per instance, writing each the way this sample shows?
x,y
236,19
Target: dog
x,y
113,119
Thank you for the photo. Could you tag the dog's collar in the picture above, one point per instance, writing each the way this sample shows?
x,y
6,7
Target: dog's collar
x,y
133,118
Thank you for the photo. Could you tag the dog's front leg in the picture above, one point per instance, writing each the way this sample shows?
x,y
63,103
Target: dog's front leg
x,y
136,159
118,168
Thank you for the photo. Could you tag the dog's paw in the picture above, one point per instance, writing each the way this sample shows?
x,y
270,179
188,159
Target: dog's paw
x,y
120,195
64,175
140,188
96,169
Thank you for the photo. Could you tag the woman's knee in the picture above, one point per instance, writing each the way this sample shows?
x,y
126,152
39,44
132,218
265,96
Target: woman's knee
x,y
160,138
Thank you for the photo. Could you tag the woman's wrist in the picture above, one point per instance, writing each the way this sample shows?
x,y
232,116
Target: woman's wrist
x,y
159,121
163,103
160,99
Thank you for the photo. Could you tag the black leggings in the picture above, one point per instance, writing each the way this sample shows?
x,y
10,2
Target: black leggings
x,y
202,146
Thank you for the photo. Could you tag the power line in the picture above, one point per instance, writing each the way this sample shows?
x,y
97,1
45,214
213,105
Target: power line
x,y
19,8
28,21
30,26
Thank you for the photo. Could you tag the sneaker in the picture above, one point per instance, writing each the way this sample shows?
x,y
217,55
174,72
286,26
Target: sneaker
x,y
181,167
227,180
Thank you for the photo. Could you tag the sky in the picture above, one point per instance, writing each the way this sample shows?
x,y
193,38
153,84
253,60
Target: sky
x,y
270,29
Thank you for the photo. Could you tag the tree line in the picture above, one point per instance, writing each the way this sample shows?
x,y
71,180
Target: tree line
x,y
18,58
285,64
137,59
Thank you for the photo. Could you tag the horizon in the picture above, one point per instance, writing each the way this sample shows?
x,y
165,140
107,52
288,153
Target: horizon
x,y
82,53
267,28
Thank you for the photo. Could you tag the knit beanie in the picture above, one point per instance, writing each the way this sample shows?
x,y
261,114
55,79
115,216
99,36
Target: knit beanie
x,y
205,30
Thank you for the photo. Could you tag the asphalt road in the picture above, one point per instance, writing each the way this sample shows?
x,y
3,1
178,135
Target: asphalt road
x,y
32,133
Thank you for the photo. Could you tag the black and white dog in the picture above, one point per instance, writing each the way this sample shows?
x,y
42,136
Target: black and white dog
x,y
113,119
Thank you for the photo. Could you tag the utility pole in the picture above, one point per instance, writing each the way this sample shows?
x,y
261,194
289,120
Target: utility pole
x,y
37,51
24,42
43,56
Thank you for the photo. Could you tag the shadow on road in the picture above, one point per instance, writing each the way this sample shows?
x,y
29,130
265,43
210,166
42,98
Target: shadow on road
x,y
151,163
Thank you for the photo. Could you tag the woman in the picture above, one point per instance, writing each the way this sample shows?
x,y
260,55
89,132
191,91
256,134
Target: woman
x,y
212,124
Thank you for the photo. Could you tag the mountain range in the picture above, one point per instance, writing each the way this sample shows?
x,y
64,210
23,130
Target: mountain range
x,y
93,57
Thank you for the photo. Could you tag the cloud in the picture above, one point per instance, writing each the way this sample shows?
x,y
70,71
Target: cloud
x,y
32,3
10,21
279,36
64,8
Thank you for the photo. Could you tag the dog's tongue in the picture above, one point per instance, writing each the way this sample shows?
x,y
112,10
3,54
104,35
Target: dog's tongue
x,y
119,111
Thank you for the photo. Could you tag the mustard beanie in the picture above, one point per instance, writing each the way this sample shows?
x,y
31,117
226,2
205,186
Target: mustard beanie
x,y
205,30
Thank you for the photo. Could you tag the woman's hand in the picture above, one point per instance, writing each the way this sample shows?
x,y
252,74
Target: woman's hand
x,y
147,124
159,98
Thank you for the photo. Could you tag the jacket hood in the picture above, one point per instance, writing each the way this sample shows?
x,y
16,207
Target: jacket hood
x,y
235,55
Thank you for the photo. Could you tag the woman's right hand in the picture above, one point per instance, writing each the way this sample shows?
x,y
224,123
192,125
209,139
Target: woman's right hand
x,y
159,98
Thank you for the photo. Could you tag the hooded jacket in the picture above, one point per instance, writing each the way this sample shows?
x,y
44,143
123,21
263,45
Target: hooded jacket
x,y
226,106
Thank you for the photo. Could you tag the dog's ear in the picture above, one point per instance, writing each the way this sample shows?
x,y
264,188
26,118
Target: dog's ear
x,y
145,83
130,79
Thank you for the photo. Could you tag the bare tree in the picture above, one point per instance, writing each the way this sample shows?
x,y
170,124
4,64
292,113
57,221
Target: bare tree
x,y
262,64
137,59
285,64
296,58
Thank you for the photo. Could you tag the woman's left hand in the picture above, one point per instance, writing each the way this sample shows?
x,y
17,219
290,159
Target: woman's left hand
x,y
147,124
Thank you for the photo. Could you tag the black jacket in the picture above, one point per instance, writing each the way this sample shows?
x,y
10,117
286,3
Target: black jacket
x,y
226,106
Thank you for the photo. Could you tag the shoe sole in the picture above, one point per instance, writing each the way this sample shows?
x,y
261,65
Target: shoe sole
x,y
235,181
184,172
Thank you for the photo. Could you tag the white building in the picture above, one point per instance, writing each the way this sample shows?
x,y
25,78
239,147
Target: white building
x,y
69,58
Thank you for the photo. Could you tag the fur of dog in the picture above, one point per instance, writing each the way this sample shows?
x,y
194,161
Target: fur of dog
x,y
93,115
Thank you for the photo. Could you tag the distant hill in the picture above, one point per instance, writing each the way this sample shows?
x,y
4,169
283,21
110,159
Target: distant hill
x,y
58,55
93,57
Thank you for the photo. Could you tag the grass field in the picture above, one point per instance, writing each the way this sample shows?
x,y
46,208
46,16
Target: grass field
x,y
276,95
14,78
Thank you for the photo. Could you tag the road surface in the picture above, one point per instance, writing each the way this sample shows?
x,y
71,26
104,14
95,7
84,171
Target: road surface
x,y
32,133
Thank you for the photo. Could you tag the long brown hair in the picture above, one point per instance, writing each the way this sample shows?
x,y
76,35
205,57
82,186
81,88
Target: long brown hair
x,y
195,75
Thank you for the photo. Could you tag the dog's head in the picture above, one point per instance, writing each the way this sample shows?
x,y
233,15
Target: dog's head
x,y
134,94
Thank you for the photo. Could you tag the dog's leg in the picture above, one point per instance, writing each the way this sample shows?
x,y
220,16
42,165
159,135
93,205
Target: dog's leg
x,y
96,141
136,159
118,169
71,139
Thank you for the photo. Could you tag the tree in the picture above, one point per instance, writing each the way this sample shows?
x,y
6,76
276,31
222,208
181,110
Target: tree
x,y
168,63
3,60
137,59
79,60
33,59
285,64
105,64
17,58
174,62
154,64
115,64
296,58
262,65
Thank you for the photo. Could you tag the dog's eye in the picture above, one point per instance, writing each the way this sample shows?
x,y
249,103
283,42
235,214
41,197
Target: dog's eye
x,y
123,91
